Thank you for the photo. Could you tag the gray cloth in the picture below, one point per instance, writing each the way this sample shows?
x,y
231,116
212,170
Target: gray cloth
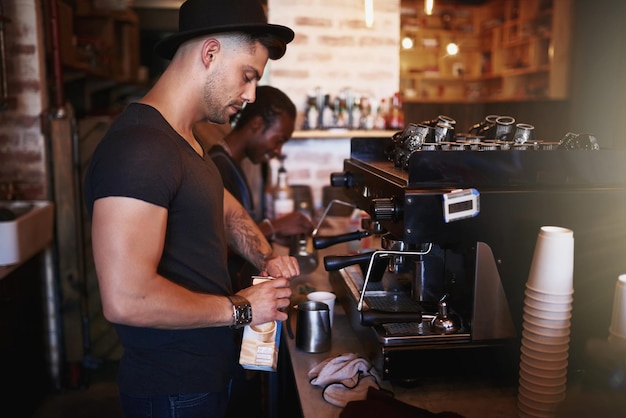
x,y
344,378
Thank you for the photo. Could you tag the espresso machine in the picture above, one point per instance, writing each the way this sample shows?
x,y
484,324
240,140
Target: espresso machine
x,y
457,230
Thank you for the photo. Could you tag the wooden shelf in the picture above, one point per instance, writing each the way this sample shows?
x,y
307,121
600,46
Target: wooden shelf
x,y
102,44
340,133
518,50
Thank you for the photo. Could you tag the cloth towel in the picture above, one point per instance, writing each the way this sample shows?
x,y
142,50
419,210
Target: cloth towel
x,y
344,378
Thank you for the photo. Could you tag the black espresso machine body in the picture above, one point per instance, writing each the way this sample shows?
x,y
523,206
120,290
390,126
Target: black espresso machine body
x,y
478,262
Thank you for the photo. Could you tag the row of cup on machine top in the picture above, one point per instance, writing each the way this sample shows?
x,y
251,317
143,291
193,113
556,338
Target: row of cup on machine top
x,y
503,128
442,129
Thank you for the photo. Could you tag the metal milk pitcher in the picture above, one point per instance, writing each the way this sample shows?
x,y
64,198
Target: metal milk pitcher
x,y
313,327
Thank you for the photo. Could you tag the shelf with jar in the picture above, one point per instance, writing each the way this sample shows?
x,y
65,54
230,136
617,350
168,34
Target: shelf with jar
x,y
516,50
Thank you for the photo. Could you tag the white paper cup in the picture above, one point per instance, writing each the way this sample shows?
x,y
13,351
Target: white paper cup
x,y
552,267
327,298
545,322
544,377
617,341
556,395
556,324
543,356
547,306
618,316
548,298
542,313
531,408
537,364
538,407
544,339
546,348
547,332
546,386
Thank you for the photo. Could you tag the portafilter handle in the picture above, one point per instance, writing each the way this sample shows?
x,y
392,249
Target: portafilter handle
x,y
325,241
337,262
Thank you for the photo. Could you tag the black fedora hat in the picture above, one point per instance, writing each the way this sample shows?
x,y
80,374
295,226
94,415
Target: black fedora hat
x,y
202,17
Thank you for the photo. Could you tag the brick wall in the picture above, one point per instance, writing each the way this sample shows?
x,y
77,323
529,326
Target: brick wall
x,y
311,161
333,49
23,159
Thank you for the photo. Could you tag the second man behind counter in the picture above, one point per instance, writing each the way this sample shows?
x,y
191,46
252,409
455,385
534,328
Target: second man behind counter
x,y
259,131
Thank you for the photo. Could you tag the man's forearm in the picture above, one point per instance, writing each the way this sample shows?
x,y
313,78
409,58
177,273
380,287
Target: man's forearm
x,y
245,237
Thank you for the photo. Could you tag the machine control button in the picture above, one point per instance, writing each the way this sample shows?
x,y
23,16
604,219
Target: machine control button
x,y
385,209
343,179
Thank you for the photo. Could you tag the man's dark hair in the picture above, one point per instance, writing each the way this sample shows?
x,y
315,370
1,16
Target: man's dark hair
x,y
269,104
276,47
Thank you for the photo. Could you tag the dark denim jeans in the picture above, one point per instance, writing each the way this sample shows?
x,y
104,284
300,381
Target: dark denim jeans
x,y
187,405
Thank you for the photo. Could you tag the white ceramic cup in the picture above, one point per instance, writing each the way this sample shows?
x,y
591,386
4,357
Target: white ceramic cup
x,y
618,316
552,267
327,298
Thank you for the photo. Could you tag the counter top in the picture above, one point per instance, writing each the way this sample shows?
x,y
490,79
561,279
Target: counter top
x,y
472,398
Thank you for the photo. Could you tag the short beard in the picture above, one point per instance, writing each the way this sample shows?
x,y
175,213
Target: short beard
x,y
215,111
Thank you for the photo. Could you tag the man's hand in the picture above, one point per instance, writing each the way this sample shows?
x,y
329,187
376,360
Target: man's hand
x,y
268,299
289,225
282,266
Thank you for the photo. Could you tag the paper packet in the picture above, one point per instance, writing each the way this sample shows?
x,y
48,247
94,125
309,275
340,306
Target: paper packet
x,y
260,343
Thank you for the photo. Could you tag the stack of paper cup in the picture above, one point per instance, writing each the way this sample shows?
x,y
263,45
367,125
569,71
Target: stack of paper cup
x,y
617,329
546,324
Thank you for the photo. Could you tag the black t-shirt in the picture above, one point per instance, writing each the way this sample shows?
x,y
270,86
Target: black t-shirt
x,y
142,157
236,183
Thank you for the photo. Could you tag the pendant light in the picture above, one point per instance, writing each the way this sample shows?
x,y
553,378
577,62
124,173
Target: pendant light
x,y
369,13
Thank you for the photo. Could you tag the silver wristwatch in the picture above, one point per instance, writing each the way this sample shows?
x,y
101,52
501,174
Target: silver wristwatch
x,y
242,311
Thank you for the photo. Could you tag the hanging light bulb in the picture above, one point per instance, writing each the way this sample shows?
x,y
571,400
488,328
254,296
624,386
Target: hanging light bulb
x,y
369,13
429,5
452,48
407,42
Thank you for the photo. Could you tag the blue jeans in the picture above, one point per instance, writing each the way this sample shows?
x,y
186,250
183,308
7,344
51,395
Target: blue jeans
x,y
187,405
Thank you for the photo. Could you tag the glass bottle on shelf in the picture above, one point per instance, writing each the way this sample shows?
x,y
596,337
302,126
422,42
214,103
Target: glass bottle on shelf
x,y
396,114
328,117
311,115
283,194
380,122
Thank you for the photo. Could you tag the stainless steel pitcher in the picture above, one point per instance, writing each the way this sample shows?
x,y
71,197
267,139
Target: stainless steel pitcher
x,y
313,333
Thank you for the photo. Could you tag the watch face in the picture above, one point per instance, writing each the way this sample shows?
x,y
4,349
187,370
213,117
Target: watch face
x,y
243,315
242,311
246,314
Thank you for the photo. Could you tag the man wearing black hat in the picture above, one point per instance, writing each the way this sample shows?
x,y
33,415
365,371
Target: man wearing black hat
x,y
161,220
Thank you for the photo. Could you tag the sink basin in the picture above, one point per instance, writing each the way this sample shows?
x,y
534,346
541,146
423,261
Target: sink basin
x,y
26,227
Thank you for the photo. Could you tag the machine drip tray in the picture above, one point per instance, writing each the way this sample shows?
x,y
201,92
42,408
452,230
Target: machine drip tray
x,y
393,315
415,333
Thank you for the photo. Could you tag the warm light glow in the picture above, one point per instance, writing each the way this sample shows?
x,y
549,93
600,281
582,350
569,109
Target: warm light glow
x,y
452,48
429,5
407,43
369,13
